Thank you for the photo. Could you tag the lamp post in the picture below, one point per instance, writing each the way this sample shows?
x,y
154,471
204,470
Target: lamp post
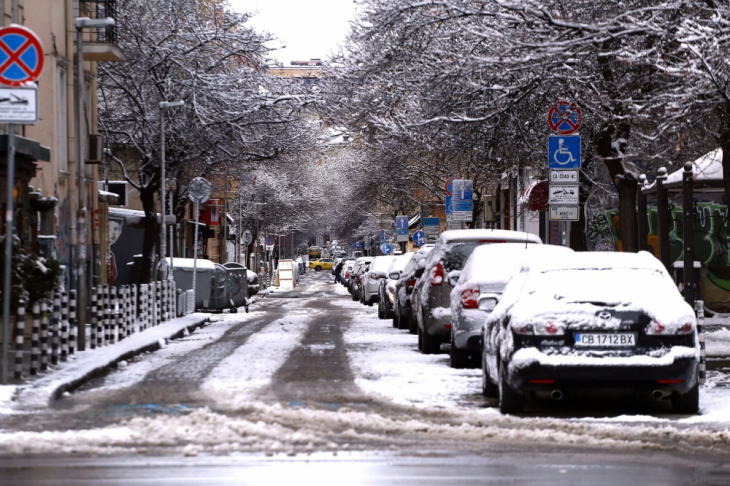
x,y
79,232
163,228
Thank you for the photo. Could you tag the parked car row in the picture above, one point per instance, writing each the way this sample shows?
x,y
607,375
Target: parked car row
x,y
540,321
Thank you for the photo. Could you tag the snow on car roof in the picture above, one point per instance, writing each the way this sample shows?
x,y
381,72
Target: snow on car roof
x,y
381,263
602,260
498,263
400,263
487,234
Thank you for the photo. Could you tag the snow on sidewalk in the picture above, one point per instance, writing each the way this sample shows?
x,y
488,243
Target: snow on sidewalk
x,y
37,392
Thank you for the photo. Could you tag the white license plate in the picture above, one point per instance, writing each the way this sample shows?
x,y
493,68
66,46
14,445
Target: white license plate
x,y
623,340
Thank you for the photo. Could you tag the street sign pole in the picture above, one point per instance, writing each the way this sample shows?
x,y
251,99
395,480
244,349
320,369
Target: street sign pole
x,y
9,222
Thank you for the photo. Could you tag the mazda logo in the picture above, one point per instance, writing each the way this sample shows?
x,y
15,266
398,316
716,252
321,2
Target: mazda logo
x,y
605,315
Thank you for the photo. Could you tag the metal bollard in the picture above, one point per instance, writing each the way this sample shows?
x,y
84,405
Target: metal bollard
x,y
113,303
19,336
702,370
93,318
73,323
64,326
100,316
35,351
55,328
44,336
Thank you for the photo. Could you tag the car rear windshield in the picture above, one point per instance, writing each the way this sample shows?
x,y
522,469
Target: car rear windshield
x,y
456,254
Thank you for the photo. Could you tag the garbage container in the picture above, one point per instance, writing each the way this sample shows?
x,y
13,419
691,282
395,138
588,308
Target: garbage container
x,y
183,275
237,284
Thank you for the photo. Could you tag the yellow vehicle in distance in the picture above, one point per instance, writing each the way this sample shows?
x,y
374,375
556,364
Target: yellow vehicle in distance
x,y
321,264
315,252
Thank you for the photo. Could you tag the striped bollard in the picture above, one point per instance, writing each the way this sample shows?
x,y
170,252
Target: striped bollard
x,y
135,308
107,324
100,316
35,350
158,297
19,332
64,326
44,336
113,303
145,306
127,314
121,322
700,309
92,344
56,328
73,323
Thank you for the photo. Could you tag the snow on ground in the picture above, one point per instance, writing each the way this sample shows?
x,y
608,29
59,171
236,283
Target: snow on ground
x,y
717,343
253,365
387,362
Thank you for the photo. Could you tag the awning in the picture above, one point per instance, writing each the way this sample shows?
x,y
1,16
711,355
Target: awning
x,y
535,197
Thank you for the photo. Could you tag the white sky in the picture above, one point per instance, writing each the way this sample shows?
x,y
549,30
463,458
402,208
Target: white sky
x,y
308,28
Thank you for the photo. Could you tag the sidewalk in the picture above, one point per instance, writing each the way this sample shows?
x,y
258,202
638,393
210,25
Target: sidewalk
x,y
37,391
717,342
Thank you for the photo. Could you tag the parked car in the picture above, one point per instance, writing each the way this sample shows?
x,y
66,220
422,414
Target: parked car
x,y
314,253
371,281
592,321
346,272
386,289
352,279
481,282
321,264
431,298
357,278
404,286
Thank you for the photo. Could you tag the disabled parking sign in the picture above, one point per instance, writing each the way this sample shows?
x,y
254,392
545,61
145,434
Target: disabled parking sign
x,y
564,152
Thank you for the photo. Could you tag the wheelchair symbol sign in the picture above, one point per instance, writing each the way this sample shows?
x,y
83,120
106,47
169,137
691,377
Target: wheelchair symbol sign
x,y
564,152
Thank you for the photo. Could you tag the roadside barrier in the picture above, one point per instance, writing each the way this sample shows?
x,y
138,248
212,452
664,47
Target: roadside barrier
x,y
115,313
700,309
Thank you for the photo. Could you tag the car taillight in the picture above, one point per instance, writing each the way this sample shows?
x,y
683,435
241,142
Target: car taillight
x,y
347,274
522,328
470,298
437,274
655,328
685,329
549,328
410,284
373,276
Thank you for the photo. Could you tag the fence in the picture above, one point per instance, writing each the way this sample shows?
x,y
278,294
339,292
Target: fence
x,y
115,314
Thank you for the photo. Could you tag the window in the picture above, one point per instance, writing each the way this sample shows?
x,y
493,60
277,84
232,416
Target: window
x,y
120,189
62,147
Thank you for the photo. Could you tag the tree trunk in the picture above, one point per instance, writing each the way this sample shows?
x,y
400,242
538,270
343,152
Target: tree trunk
x,y
610,144
151,234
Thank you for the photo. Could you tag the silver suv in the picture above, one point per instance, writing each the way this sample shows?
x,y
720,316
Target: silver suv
x,y
431,298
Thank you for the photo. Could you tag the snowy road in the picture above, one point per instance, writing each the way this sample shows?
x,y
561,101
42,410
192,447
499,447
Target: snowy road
x,y
311,371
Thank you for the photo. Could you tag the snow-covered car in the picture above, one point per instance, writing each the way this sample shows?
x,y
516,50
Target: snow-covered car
x,y
591,321
481,283
371,281
431,297
386,289
360,265
347,272
404,286
253,282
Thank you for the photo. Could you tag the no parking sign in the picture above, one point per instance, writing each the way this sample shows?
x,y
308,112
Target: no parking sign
x,y
21,56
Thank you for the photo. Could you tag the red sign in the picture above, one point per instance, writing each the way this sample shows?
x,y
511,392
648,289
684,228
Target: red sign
x,y
565,118
21,56
449,186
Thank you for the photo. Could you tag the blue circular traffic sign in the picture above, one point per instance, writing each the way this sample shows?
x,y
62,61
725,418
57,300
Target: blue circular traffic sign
x,y
386,249
418,238
269,241
21,56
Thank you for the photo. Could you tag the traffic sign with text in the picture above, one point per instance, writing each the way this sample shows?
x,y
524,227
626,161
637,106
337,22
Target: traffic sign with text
x,y
19,105
563,194
564,176
564,213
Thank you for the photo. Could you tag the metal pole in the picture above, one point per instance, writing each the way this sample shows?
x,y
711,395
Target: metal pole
x,y
643,216
240,235
195,246
688,211
172,240
163,233
662,206
81,182
9,223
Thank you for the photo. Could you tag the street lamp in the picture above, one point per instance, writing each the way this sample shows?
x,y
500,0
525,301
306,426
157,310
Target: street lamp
x,y
79,233
163,230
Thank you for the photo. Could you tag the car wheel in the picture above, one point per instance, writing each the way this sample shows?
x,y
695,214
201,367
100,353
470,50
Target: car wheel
x,y
689,403
354,295
396,324
381,311
412,324
233,310
429,344
509,400
420,341
489,389
458,358
317,268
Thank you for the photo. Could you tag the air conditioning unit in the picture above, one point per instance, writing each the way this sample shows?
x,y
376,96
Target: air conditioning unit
x,y
96,149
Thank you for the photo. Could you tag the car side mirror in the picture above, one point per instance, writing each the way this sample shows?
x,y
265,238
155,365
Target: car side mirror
x,y
421,264
453,277
394,275
487,302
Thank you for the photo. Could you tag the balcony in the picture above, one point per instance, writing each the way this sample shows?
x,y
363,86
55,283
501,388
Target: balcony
x,y
99,44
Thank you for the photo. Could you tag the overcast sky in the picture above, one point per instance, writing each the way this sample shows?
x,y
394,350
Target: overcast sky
x,y
308,28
